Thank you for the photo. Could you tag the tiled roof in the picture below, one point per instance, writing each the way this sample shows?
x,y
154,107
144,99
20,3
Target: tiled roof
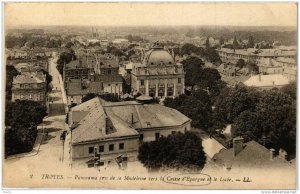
x,y
29,77
125,116
93,127
74,87
149,115
82,62
252,156
108,63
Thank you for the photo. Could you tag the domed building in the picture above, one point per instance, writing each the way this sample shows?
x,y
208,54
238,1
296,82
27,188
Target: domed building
x,y
158,75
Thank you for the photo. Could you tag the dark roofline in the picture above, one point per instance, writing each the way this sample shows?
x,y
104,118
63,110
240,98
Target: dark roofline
x,y
106,139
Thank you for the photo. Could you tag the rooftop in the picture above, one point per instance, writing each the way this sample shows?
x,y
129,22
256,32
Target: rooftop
x,y
76,87
267,80
253,155
93,127
29,77
125,117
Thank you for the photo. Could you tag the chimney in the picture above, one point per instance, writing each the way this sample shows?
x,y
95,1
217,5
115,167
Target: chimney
x,y
272,153
108,126
131,118
259,77
238,145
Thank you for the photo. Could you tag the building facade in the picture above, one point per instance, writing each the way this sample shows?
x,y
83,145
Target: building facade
x,y
117,128
158,75
252,55
29,86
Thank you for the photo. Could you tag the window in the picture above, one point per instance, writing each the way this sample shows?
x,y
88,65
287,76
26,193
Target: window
x,y
101,164
173,132
170,92
157,136
141,137
142,82
108,84
109,71
111,147
91,150
101,148
121,146
179,80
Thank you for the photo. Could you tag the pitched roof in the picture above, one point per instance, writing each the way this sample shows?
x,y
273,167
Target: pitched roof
x,y
148,115
108,63
253,155
93,127
74,87
29,77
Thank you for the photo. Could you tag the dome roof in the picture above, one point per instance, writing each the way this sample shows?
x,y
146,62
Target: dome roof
x,y
158,56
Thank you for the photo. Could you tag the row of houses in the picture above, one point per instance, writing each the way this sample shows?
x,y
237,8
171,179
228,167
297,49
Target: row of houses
x,y
92,73
26,53
252,55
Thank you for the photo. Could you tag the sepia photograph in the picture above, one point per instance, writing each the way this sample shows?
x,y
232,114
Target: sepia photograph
x,y
149,95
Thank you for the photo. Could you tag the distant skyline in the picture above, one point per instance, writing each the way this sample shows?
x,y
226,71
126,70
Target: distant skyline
x,y
151,14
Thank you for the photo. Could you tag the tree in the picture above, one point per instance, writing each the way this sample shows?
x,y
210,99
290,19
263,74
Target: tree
x,y
193,68
247,125
24,113
291,90
272,123
89,96
207,45
22,117
240,63
197,107
65,58
212,55
235,43
11,72
174,151
251,42
222,41
232,102
48,79
188,49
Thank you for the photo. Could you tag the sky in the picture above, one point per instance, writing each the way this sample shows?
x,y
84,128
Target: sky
x,y
143,14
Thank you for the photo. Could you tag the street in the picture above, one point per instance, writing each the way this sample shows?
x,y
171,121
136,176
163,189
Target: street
x,y
50,155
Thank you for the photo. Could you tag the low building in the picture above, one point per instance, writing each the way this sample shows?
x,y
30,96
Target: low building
x,y
77,89
112,84
267,81
29,86
250,155
252,55
116,128
81,69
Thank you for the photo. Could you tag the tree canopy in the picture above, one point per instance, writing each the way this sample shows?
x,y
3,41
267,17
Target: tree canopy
x,y
272,123
174,151
197,107
193,69
11,72
65,58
